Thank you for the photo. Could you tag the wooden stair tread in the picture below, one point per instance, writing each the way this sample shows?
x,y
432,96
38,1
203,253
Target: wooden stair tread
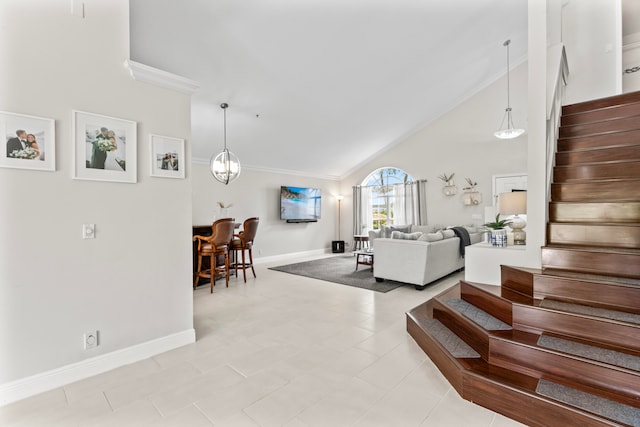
x,y
601,103
622,281
586,248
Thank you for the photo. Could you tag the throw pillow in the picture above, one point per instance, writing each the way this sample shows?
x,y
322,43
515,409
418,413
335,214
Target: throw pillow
x,y
405,236
447,234
403,228
431,237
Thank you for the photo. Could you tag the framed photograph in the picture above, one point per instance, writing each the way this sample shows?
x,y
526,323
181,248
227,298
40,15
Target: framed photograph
x,y
30,142
167,156
105,148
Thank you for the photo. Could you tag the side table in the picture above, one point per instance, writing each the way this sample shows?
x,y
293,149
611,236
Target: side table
x,y
364,257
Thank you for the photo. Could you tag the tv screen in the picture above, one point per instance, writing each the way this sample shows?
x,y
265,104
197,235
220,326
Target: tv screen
x,y
298,204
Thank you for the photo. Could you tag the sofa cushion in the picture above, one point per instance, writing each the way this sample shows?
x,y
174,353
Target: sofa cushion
x,y
447,234
421,228
431,237
405,236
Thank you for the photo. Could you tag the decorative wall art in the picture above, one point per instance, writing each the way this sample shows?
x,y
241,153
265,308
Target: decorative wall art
x,y
29,142
167,156
105,148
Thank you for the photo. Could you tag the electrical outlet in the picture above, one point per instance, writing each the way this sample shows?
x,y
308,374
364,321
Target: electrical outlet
x,y
88,231
90,339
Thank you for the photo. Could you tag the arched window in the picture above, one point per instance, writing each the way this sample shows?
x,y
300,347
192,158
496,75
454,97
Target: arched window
x,y
379,195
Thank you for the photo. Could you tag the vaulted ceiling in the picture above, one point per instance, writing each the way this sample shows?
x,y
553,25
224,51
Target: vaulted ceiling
x,y
319,86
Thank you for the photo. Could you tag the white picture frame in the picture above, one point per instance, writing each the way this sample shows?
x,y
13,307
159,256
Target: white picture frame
x,y
166,156
105,148
37,152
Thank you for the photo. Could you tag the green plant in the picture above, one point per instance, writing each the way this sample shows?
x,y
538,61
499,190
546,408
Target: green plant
x,y
498,224
446,178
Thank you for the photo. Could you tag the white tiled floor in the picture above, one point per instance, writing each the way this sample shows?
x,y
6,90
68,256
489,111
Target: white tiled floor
x,y
280,350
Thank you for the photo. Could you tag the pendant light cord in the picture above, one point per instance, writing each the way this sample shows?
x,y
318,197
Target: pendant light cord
x,y
507,43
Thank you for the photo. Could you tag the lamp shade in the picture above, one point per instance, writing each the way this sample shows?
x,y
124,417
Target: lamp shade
x,y
513,203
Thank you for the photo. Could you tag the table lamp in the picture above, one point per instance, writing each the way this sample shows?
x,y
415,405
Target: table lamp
x,y
515,203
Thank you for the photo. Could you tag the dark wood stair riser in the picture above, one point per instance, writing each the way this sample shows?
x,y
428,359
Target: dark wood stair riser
x,y
625,169
617,139
516,279
617,264
603,295
601,103
471,333
605,126
611,154
490,303
596,191
618,111
609,235
619,385
595,212
623,336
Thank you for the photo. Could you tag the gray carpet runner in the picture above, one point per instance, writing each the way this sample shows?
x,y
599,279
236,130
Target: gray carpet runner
x,y
480,317
606,408
611,357
591,311
450,341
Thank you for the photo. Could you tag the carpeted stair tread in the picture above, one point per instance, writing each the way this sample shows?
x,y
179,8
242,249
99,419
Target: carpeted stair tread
x,y
591,311
593,277
479,316
606,408
449,340
610,357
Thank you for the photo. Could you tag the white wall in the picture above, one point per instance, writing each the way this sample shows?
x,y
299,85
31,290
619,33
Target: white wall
x,y
257,193
461,141
132,282
592,35
631,59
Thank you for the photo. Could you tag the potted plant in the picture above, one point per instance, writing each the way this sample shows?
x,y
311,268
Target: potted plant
x,y
497,233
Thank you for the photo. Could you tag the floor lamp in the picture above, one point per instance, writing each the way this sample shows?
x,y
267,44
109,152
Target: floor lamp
x,y
337,246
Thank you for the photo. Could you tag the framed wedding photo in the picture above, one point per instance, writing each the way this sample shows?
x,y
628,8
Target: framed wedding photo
x,y
167,156
30,142
104,148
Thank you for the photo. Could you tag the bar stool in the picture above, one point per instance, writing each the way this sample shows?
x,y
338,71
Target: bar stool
x,y
213,246
243,241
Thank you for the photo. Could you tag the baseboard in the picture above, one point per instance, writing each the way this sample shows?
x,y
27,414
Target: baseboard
x,y
49,380
291,255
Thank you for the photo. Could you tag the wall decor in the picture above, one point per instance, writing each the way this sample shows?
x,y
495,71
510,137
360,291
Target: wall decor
x,y
167,156
471,196
105,148
449,188
30,142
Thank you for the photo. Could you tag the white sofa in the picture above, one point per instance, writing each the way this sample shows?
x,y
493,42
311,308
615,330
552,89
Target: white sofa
x,y
418,262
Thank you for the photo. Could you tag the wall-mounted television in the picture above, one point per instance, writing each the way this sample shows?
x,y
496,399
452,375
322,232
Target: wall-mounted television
x,y
300,204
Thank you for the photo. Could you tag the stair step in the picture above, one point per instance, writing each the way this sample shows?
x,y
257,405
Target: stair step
x,y
625,414
591,234
487,298
598,154
594,212
601,103
477,315
604,313
616,111
601,127
595,290
450,341
586,367
603,261
603,170
613,139
609,190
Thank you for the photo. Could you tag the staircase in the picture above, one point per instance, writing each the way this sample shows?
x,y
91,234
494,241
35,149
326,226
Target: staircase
x,y
559,346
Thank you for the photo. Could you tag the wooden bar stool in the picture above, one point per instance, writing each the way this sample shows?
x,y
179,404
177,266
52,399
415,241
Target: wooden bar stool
x,y
213,246
242,242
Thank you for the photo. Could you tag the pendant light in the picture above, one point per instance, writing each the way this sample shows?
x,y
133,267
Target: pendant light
x,y
225,167
510,131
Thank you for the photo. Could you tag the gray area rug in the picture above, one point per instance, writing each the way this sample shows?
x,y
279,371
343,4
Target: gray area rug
x,y
591,311
342,270
616,411
611,357
481,317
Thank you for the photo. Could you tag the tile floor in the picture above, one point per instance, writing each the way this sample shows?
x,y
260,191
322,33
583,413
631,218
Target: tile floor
x,y
280,350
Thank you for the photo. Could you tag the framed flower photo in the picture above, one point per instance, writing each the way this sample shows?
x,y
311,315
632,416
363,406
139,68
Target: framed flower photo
x,y
30,142
167,156
104,148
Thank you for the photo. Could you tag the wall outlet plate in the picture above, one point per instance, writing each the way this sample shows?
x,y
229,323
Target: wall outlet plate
x,y
90,339
88,231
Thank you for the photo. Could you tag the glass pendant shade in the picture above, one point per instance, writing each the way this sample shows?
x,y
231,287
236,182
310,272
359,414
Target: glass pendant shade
x,y
225,167
510,131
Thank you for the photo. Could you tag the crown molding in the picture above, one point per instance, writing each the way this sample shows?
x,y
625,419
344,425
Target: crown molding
x,y
155,76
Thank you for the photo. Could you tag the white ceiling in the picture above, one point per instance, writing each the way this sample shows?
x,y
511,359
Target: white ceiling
x,y
319,86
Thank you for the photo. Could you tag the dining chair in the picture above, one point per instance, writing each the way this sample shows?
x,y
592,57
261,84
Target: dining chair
x,y
214,246
243,242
